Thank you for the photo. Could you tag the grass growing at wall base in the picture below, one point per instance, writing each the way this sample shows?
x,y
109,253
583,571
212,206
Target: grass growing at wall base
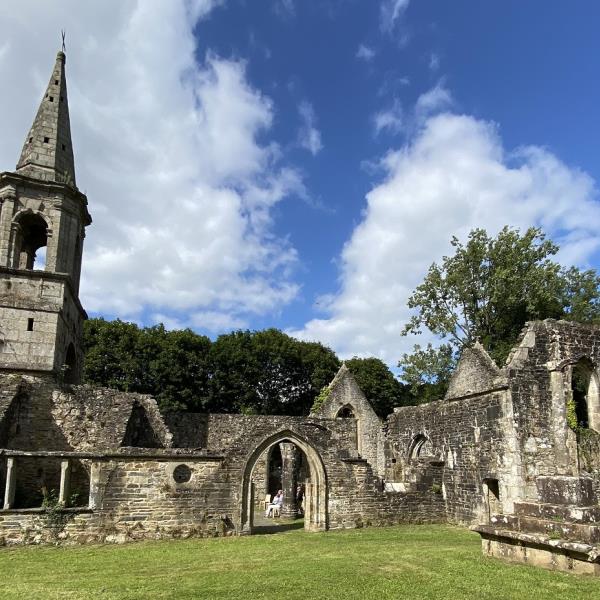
x,y
381,563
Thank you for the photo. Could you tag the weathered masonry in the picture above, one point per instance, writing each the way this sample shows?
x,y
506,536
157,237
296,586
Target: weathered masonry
x,y
512,451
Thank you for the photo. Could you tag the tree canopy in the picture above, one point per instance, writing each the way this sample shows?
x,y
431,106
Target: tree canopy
x,y
379,384
258,372
487,290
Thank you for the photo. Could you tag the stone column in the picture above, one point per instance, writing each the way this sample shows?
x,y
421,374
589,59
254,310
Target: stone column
x,y
65,482
11,480
6,216
288,480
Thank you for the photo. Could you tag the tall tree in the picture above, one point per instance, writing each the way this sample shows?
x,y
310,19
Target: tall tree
x,y
378,383
491,286
268,372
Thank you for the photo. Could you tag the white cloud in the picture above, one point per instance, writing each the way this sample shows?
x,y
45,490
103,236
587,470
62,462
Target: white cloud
x,y
309,137
168,151
434,62
286,9
365,53
436,99
394,120
453,176
390,120
390,12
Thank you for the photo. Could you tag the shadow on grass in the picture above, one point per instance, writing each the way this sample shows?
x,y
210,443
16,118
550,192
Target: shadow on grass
x,y
269,526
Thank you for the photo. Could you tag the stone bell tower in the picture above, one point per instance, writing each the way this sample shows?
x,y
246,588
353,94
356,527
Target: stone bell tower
x,y
42,226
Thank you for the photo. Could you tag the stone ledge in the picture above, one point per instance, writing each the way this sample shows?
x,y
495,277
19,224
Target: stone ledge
x,y
579,550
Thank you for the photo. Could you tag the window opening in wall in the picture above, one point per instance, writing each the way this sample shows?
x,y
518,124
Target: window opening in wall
x,y
30,324
56,82
31,242
492,497
64,147
30,140
182,474
583,405
70,365
51,98
419,447
46,140
346,412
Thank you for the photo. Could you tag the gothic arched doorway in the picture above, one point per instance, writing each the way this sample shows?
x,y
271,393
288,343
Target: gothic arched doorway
x,y
315,484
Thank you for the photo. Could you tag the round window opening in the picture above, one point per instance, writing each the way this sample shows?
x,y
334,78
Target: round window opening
x,y
182,474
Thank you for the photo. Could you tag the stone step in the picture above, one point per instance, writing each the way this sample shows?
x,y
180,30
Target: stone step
x,y
559,512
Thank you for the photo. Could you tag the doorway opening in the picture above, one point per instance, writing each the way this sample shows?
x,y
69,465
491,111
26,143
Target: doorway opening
x,y
288,463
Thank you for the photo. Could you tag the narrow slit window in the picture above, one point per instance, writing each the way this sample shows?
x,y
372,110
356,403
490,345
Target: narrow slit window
x,y
30,140
30,324
56,82
51,98
46,140
64,147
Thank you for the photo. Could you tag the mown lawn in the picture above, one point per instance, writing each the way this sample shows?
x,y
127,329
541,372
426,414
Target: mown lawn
x,y
396,562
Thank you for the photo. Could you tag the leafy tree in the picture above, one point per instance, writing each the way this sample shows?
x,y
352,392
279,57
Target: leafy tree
x,y
170,365
427,372
489,288
268,372
378,383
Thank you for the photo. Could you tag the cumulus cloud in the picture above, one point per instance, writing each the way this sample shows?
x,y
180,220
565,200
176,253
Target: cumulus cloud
x,y
452,176
365,53
309,137
173,154
390,12
394,120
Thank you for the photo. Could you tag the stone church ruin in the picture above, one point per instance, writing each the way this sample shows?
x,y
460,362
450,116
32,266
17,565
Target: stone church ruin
x,y
513,452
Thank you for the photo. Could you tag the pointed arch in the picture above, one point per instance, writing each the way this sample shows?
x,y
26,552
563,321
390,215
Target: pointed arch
x,y
419,446
316,499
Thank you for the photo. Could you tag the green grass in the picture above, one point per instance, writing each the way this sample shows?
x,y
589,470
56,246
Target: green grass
x,y
397,562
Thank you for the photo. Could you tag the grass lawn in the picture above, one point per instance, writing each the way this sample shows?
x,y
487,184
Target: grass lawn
x,y
396,562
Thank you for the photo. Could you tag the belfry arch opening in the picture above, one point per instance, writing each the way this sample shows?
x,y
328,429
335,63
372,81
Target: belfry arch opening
x,y
302,479
31,240
585,395
348,412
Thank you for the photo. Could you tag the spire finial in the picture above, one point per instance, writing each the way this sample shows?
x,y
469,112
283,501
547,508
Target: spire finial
x,y
63,33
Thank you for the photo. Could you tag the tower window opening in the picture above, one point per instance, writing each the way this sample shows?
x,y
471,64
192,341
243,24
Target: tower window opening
x,y
56,82
51,98
30,140
31,242
46,140
64,147
30,324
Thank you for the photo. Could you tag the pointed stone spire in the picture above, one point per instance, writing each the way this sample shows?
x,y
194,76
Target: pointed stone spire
x,y
48,152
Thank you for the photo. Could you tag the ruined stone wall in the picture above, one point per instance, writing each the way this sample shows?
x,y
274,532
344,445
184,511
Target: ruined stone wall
x,y
540,370
465,436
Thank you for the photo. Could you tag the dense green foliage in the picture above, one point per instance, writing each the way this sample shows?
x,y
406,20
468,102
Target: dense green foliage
x,y
379,385
253,372
417,562
427,372
489,288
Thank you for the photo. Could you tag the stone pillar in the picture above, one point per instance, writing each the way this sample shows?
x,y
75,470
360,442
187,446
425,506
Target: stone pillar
x,y
6,215
65,482
11,480
97,482
288,480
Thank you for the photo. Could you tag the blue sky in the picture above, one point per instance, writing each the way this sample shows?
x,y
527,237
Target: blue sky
x,y
300,164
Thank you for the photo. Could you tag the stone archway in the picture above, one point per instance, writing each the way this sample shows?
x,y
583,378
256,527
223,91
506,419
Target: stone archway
x,y
316,493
